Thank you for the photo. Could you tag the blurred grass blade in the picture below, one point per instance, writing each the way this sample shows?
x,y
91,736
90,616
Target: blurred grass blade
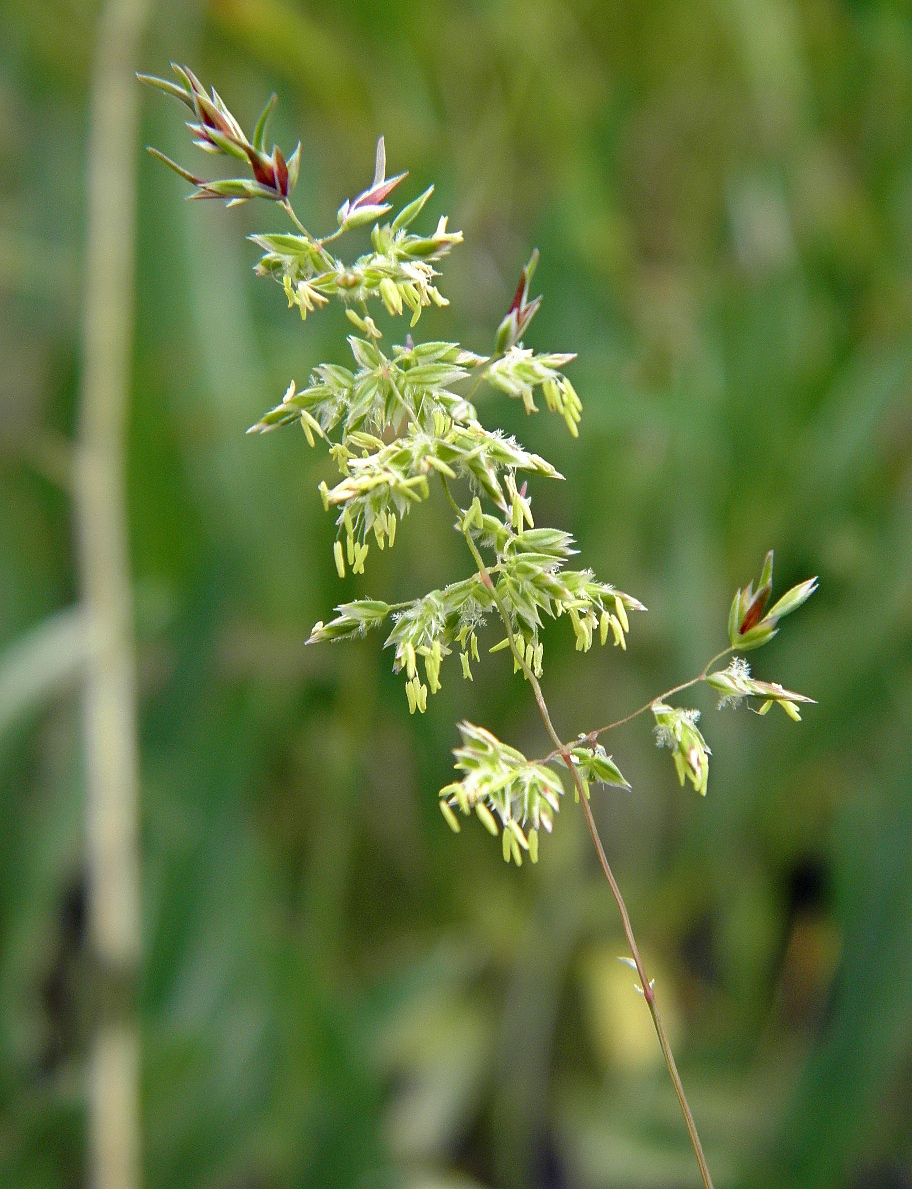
x,y
38,665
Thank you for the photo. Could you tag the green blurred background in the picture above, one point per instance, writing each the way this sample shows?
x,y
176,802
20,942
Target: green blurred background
x,y
335,990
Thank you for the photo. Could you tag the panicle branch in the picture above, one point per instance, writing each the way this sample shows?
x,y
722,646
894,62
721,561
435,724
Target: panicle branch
x,y
402,417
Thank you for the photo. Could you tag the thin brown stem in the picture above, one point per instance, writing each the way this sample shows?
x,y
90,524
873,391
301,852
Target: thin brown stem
x,y
669,693
290,211
646,987
563,752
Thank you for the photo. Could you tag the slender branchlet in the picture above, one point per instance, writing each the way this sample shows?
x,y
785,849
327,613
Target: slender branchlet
x,y
403,418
